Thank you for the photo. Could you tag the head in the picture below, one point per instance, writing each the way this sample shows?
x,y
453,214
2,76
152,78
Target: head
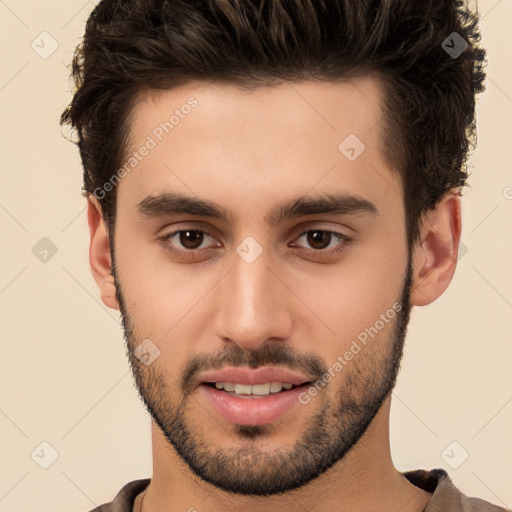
x,y
264,123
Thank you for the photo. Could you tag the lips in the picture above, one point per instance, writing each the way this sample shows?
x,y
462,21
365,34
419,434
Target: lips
x,y
249,409
256,376
258,407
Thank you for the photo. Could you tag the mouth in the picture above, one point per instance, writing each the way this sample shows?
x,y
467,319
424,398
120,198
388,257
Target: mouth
x,y
255,391
252,396
256,404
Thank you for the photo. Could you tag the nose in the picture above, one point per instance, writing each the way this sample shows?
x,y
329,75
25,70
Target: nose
x,y
254,305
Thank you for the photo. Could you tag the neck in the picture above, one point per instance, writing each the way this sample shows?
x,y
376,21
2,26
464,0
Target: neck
x,y
364,480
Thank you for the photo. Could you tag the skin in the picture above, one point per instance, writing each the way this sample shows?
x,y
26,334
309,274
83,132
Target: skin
x,y
248,151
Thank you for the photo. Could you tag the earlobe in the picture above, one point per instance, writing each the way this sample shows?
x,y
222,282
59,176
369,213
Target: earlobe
x,y
99,253
435,253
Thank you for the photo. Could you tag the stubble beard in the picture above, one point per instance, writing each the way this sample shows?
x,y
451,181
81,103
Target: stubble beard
x,y
334,429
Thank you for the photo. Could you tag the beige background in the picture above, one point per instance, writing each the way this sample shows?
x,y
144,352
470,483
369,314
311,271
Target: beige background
x,y
65,378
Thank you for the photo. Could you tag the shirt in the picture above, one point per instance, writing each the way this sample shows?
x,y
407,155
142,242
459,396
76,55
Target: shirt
x,y
445,498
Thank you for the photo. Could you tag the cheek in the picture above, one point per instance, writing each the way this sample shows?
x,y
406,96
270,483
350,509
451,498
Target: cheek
x,y
357,301
160,297
162,302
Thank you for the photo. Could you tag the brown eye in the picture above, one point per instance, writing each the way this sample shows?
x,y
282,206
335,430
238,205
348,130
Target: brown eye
x,y
189,243
322,244
191,239
319,239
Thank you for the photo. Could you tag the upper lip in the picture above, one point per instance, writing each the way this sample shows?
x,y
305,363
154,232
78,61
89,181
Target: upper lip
x,y
260,375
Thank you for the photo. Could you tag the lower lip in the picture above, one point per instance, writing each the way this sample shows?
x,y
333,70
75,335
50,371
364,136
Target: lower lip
x,y
252,411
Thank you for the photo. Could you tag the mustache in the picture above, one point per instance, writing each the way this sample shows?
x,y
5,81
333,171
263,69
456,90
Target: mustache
x,y
274,353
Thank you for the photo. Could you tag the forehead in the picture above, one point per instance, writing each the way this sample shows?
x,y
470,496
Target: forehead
x,y
230,144
335,108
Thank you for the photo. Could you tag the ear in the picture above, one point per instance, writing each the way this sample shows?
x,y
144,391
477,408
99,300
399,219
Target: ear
x,y
99,253
435,253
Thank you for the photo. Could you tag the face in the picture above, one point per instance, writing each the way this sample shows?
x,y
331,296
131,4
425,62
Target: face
x,y
247,238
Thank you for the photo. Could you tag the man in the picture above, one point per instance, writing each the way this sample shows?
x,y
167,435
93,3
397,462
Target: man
x,y
271,187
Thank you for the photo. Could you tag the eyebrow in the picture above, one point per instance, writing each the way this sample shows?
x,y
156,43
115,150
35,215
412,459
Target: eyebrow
x,y
172,203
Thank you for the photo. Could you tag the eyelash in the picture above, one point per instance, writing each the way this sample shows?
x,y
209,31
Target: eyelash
x,y
192,253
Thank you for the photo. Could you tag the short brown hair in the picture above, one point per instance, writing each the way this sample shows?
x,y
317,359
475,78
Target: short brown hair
x,y
429,114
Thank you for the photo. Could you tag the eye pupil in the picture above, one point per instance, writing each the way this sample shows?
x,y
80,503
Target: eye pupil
x,y
314,240
189,238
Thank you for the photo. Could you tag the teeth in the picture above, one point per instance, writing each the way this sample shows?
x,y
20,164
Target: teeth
x,y
256,389
275,387
260,389
243,389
